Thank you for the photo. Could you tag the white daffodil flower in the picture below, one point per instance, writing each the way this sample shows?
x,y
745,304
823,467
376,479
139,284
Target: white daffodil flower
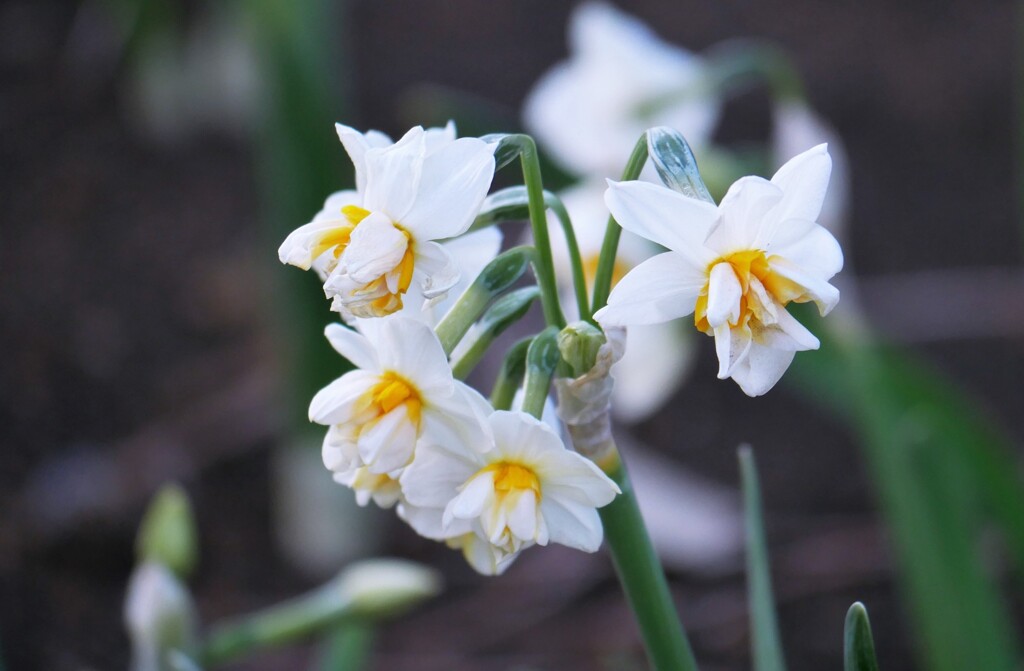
x,y
401,392
620,80
657,356
525,488
372,243
735,267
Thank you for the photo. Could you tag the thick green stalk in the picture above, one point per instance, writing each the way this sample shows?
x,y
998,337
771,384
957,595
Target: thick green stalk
x,y
643,579
610,246
543,267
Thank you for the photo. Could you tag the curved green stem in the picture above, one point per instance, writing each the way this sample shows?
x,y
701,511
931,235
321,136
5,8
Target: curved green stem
x,y
610,246
579,279
643,579
544,267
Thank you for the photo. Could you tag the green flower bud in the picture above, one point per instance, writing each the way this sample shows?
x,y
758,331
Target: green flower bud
x,y
579,343
168,532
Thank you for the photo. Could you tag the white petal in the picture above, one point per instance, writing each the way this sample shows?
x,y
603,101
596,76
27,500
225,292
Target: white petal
x,y
438,272
412,350
375,247
440,137
357,144
334,403
517,434
393,175
804,182
572,524
297,249
471,501
436,473
522,516
353,346
732,346
747,216
820,291
388,443
796,336
454,183
660,289
663,216
761,369
808,246
484,557
724,293
428,522
568,475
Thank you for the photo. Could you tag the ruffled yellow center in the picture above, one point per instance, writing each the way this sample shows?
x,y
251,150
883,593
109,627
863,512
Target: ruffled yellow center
x,y
746,265
511,477
336,239
392,391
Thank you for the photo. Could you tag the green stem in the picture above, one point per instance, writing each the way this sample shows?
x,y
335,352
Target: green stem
x,y
643,579
579,279
543,267
289,621
610,246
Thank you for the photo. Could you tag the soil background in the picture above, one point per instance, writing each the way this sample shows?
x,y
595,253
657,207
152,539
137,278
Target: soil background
x,y
135,288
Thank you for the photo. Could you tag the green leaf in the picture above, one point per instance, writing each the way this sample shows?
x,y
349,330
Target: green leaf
x,y
167,534
506,311
858,645
766,648
940,470
673,158
496,277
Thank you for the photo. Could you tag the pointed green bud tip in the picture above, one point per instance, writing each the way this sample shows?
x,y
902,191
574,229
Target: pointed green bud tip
x,y
377,588
505,269
858,643
579,343
168,532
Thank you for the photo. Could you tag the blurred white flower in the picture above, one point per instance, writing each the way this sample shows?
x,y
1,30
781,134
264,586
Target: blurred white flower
x,y
524,488
589,111
401,391
371,243
657,356
160,617
380,587
735,267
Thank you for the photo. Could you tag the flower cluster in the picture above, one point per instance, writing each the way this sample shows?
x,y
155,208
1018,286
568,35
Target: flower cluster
x,y
394,253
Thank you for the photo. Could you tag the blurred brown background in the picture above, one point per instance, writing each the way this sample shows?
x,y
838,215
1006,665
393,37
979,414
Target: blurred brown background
x,y
135,312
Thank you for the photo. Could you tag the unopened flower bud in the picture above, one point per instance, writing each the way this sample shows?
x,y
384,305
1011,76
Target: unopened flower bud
x,y
579,344
159,616
385,587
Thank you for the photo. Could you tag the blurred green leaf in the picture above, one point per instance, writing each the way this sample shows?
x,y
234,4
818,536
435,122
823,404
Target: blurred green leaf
x,y
858,645
300,162
167,534
939,467
766,648
347,649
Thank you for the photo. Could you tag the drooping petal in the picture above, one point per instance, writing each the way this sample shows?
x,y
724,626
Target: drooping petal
x,y
572,524
393,175
795,336
438,272
731,345
387,445
804,182
660,289
375,248
433,478
475,497
353,346
522,515
453,185
761,369
665,217
568,475
427,521
819,290
724,293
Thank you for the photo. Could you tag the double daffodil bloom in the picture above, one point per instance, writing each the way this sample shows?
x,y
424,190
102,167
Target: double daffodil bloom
x,y
371,244
523,488
735,267
402,392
